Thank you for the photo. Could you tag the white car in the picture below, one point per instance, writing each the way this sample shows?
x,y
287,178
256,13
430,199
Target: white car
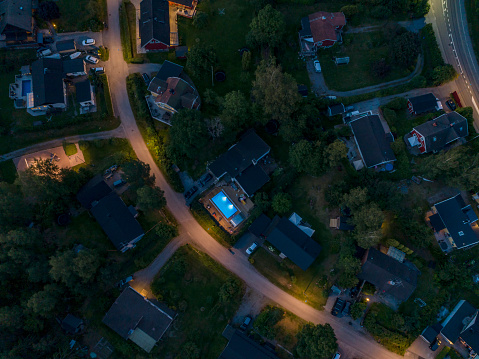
x,y
317,66
75,55
91,59
252,248
88,42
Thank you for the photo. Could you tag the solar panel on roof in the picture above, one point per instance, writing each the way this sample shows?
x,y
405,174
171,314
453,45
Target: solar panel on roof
x,y
395,253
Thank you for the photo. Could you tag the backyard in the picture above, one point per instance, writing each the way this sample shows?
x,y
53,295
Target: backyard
x,y
81,15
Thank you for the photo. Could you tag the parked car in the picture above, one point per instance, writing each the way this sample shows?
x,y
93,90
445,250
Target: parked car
x,y
75,55
451,104
43,51
91,59
317,66
337,356
245,323
88,42
98,70
118,183
251,248
191,192
338,307
146,78
435,344
347,309
48,40
205,179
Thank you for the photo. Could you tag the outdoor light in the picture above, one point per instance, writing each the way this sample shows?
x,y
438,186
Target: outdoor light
x,y
230,206
367,299
224,199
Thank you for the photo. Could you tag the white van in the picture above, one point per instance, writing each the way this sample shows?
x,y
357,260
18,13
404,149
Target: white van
x,y
44,52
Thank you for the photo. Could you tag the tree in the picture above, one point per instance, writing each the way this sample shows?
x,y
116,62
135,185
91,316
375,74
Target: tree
x,y
11,318
48,10
276,92
200,20
246,60
380,68
189,350
44,302
368,220
443,74
316,341
262,201
235,115
405,48
267,28
265,322
62,268
229,289
350,10
307,157
150,198
282,203
335,153
137,174
356,198
349,266
166,231
14,210
188,134
86,265
357,310
200,60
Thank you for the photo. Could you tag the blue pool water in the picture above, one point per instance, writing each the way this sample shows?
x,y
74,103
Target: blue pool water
x,y
224,204
26,87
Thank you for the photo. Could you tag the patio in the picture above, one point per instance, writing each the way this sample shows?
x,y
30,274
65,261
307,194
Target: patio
x,y
156,112
19,90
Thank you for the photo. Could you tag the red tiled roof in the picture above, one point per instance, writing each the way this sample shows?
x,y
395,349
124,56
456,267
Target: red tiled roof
x,y
323,25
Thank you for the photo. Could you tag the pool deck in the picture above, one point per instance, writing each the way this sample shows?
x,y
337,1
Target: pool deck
x,y
16,89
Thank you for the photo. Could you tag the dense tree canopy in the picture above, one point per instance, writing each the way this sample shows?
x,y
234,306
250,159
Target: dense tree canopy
x,y
48,10
150,198
405,48
267,28
137,174
200,60
316,341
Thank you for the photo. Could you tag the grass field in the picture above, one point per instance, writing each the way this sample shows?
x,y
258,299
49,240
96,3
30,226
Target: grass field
x,y
193,278
80,15
102,154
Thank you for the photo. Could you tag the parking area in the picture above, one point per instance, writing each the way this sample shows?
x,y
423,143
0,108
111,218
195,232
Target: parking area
x,y
57,155
80,36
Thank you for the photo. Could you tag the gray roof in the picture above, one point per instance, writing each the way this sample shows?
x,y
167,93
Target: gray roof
x,y
372,140
456,321
131,311
15,16
457,218
443,130
424,103
169,69
252,179
259,225
93,191
471,335
431,332
73,65
66,46
154,21
389,275
241,347
293,242
305,27
47,81
83,90
336,109
116,220
240,156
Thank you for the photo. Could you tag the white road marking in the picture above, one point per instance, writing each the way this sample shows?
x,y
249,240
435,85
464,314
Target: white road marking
x,y
475,105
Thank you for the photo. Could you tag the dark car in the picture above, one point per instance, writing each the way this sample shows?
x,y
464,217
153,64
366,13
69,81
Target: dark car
x,y
451,104
146,78
347,309
205,179
338,307
48,40
435,344
191,192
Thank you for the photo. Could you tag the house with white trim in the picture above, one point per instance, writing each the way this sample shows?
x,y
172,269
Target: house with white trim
x,y
320,30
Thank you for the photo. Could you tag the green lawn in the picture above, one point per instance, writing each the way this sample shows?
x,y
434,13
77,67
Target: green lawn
x,y
8,171
102,154
191,279
362,49
69,148
81,15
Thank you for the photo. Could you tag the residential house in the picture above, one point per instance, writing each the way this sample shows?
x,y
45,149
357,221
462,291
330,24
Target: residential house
x,y
74,67
84,93
66,47
72,324
241,163
139,319
423,104
292,237
111,213
434,135
154,25
16,21
373,143
454,224
337,109
241,346
431,332
391,278
320,30
48,88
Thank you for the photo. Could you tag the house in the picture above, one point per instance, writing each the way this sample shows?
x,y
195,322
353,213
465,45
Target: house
x,y
48,88
16,21
337,109
290,236
84,93
138,319
114,217
72,324
455,223
154,25
320,30
66,47
372,141
434,135
389,276
423,104
74,67
240,163
241,346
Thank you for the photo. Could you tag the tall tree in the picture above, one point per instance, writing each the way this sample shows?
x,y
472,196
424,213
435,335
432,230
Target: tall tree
x,y
137,174
48,10
267,28
200,60
405,48
44,302
150,198
282,203
316,341
236,111
335,153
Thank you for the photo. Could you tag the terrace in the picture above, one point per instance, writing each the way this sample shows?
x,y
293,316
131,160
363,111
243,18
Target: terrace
x,y
19,90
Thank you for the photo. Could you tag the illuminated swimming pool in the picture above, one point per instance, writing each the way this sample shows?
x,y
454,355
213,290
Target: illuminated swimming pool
x,y
222,202
26,87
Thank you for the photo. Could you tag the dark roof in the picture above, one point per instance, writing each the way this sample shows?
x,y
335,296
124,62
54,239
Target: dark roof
x,y
73,65
131,311
471,335
437,223
293,242
423,103
83,90
303,90
154,21
345,225
252,179
380,269
372,140
71,323
116,220
47,81
456,218
431,332
305,27
181,51
259,225
241,347
169,69
457,320
443,130
93,191
336,109
66,46
15,15
240,156
188,3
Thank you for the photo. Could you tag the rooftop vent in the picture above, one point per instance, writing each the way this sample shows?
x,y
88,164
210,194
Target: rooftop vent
x,y
461,233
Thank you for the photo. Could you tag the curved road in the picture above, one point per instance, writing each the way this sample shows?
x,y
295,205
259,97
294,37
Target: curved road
x,y
354,344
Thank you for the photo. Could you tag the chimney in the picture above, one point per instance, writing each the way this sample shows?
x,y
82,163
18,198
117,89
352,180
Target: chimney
x,y
434,124
172,91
